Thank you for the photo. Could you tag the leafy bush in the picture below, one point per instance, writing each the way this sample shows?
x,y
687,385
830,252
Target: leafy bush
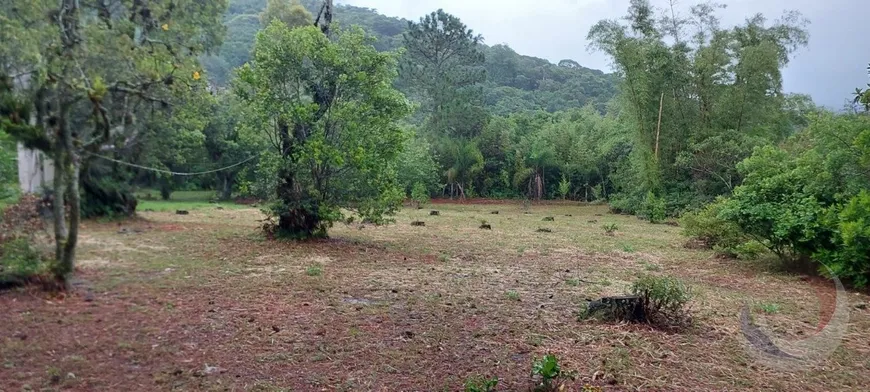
x,y
850,258
624,204
664,299
564,187
653,208
610,228
22,236
481,384
781,202
420,194
708,227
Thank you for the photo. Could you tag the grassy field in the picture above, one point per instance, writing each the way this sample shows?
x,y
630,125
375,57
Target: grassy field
x,y
204,302
150,201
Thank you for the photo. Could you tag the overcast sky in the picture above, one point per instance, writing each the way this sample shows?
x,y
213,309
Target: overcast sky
x,y
829,69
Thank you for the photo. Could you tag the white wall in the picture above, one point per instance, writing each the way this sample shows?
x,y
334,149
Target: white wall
x,y
35,170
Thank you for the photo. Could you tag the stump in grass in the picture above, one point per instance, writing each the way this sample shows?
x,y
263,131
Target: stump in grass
x,y
486,226
549,219
592,221
181,212
434,213
624,308
418,223
544,230
569,215
494,212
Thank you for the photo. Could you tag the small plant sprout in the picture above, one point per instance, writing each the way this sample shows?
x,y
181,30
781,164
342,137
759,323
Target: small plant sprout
x,y
481,384
314,270
770,308
610,228
513,295
548,375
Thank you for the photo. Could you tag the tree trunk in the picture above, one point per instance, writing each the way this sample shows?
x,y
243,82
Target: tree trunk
x,y
67,265
58,204
226,186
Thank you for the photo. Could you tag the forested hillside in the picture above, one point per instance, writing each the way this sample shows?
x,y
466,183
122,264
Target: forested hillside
x,y
514,82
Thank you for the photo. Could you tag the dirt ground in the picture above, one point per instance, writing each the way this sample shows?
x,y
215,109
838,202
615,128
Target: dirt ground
x,y
204,302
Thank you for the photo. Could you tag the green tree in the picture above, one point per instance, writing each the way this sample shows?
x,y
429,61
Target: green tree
x,y
416,165
684,94
329,112
465,162
443,60
290,12
88,66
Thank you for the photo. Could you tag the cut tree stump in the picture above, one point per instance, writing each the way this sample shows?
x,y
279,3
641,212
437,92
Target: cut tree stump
x,y
434,213
486,226
621,308
418,223
494,212
182,212
549,219
544,230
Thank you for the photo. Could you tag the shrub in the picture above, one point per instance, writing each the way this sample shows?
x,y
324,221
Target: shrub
x,y
653,208
610,228
22,240
420,194
708,227
564,187
664,299
850,258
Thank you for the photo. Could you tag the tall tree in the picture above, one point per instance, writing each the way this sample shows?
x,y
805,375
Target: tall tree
x,y
93,64
445,62
684,93
290,12
328,109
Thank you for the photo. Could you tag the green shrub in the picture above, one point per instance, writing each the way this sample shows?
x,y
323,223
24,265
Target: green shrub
x,y
564,187
610,228
850,257
624,204
653,208
21,234
481,384
707,226
419,194
18,259
664,299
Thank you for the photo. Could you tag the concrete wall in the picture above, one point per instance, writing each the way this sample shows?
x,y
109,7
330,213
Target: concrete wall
x,y
35,170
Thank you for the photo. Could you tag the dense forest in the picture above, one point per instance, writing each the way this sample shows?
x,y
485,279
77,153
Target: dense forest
x,y
333,114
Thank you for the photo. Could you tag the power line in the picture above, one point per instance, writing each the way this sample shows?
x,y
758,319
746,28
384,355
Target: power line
x,y
170,171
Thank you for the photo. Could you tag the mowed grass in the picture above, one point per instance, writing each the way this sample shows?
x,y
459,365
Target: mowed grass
x,y
204,302
150,201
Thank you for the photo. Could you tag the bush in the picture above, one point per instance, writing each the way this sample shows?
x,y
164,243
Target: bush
x,y
624,204
420,194
653,208
850,257
707,226
664,299
22,236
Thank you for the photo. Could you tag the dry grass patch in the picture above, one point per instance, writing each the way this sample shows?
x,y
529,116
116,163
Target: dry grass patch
x,y
203,302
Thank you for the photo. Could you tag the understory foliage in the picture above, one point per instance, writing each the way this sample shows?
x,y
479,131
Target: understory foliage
x,y
23,241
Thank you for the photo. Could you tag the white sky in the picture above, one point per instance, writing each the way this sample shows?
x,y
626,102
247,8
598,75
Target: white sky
x,y
829,69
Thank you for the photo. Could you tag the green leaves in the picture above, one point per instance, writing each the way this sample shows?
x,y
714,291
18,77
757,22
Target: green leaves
x,y
328,110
